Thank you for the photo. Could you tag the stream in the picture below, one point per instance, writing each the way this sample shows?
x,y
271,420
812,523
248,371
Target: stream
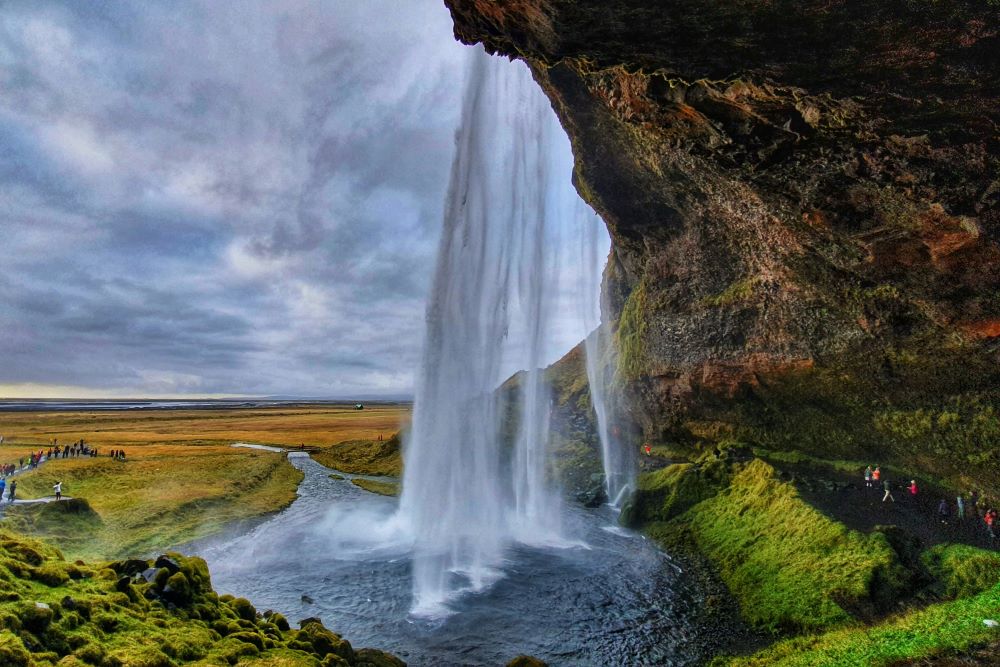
x,y
612,599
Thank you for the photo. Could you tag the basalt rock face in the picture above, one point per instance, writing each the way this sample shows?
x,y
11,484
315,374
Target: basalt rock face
x,y
804,204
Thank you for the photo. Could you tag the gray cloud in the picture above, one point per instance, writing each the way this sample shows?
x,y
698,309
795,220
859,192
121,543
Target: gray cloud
x,y
206,197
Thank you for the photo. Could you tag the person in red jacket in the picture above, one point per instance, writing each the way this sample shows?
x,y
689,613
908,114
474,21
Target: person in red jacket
x,y
913,488
990,517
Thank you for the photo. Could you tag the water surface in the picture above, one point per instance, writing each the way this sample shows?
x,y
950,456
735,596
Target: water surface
x,y
616,601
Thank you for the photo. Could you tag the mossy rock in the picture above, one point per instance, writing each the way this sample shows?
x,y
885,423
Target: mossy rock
x,y
249,638
324,641
369,657
51,573
178,590
94,623
91,653
244,609
526,661
12,651
232,650
35,617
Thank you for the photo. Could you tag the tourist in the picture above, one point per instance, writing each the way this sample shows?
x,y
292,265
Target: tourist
x,y
913,488
868,477
13,491
988,519
57,487
888,491
974,503
960,503
943,511
876,475
3,488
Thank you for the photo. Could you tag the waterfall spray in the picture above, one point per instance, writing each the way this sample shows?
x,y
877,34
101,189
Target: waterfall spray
x,y
493,279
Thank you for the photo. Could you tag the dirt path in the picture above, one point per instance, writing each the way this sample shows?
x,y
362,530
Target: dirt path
x,y
846,499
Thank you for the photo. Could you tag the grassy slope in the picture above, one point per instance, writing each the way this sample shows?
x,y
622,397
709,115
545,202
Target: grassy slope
x,y
364,457
95,615
939,629
793,569
181,481
381,488
161,496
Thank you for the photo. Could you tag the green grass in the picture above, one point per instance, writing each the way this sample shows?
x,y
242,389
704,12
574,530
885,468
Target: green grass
x,y
381,488
52,611
668,492
938,629
790,567
163,497
364,457
962,571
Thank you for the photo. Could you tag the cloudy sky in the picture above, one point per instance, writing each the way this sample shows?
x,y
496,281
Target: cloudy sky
x,y
221,197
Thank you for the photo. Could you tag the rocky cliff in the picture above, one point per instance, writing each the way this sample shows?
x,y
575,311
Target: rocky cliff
x,y
804,204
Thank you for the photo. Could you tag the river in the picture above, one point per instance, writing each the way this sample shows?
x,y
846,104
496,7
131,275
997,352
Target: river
x,y
612,599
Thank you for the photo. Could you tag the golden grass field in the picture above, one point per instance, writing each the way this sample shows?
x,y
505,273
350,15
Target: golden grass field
x,y
181,479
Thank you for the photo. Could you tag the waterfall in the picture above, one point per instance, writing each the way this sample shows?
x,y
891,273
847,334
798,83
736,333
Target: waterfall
x,y
464,499
599,349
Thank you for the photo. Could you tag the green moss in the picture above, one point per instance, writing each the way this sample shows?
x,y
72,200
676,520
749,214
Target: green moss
x,y
106,618
790,567
962,571
935,630
631,335
739,291
663,494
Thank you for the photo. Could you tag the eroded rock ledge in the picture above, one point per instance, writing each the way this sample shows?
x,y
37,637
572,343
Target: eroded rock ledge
x,y
804,202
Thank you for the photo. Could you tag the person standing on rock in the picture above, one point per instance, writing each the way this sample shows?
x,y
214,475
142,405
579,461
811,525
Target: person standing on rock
x,y
868,477
57,487
888,490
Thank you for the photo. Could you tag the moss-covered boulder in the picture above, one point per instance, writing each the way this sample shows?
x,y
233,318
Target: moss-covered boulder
x,y
160,613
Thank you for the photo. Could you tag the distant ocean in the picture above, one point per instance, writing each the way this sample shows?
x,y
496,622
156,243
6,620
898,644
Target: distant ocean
x,y
78,405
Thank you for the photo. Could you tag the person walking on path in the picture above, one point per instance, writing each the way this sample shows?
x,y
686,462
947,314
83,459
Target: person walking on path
x,y
12,494
988,519
3,488
960,509
876,475
57,487
913,489
888,490
868,477
943,511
